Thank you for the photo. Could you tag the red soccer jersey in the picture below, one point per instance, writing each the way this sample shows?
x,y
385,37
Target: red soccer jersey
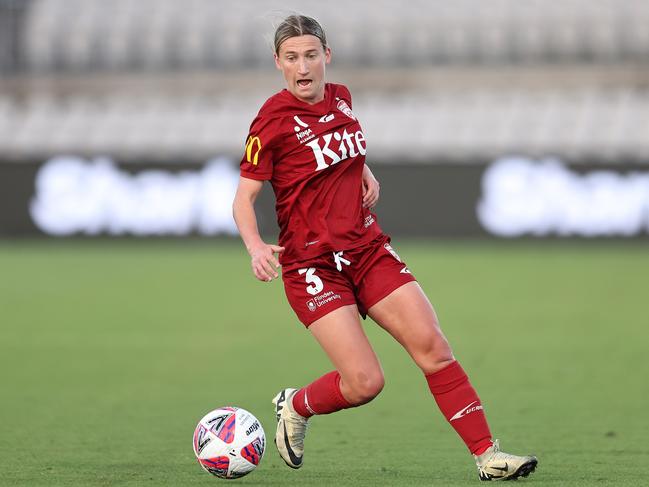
x,y
313,155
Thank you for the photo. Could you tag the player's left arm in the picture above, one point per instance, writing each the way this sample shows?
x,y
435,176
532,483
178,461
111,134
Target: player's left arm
x,y
371,188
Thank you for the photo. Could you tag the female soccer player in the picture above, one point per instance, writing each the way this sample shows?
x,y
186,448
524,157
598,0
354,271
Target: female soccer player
x,y
336,262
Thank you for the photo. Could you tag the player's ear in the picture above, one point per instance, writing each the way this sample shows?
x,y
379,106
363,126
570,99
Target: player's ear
x,y
327,55
277,61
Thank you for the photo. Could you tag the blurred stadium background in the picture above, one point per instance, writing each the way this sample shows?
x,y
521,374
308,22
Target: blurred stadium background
x,y
443,88
484,119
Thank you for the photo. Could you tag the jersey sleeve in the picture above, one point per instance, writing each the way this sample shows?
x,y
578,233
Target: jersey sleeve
x,y
257,160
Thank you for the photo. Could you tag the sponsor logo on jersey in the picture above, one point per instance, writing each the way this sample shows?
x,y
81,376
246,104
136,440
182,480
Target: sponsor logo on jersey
x,y
369,219
253,147
326,118
302,130
332,148
311,305
344,107
304,135
300,123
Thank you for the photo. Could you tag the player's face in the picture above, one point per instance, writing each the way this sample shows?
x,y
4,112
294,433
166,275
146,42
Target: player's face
x,y
302,60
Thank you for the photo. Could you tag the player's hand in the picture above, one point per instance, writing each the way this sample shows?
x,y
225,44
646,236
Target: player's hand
x,y
264,263
371,188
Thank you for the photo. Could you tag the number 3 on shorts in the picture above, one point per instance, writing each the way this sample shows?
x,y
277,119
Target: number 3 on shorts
x,y
315,283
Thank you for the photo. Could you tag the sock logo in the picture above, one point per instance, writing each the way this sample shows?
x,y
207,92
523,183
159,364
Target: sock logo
x,y
307,405
466,410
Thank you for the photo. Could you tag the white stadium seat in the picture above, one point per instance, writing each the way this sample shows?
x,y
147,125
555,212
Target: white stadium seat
x,y
438,117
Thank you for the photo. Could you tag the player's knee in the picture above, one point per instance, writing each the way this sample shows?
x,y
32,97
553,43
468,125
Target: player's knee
x,y
365,387
432,353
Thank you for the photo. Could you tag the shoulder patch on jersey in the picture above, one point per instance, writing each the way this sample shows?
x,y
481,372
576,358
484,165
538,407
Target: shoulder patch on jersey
x,y
253,147
344,107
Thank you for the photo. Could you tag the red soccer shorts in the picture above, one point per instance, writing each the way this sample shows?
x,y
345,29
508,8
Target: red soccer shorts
x,y
361,276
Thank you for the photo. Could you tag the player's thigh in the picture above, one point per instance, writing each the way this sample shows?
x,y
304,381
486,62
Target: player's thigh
x,y
407,314
341,336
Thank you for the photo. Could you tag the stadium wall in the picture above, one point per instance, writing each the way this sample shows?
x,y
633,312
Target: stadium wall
x,y
509,197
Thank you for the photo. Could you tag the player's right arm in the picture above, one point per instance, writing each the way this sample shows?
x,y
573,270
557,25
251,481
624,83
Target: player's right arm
x,y
262,255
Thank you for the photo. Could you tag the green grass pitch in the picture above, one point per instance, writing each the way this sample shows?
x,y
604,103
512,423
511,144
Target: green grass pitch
x,y
110,352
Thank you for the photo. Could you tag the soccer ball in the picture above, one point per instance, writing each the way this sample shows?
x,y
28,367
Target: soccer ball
x,y
229,442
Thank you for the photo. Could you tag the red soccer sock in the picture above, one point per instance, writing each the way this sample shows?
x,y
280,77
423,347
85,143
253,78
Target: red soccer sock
x,y
322,396
460,405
